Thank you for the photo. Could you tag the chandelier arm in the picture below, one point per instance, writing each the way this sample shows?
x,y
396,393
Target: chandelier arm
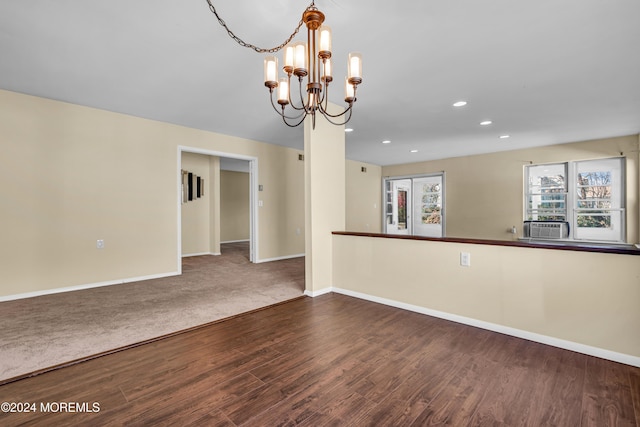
x,y
295,125
304,106
325,96
301,98
325,84
281,111
327,114
348,110
250,46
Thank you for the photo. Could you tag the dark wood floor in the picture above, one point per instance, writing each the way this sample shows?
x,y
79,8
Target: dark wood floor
x,y
339,361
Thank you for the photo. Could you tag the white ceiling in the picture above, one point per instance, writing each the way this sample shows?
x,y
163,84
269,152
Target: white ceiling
x,y
544,71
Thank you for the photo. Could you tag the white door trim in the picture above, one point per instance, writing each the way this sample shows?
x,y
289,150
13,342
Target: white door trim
x,y
253,196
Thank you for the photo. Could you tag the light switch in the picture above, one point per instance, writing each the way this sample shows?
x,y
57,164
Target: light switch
x,y
465,259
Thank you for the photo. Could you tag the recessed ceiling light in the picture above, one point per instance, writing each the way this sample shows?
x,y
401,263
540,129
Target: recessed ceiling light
x,y
504,136
348,130
386,141
414,151
485,123
460,104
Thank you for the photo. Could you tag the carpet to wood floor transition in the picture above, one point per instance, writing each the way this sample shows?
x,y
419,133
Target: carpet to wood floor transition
x,y
49,330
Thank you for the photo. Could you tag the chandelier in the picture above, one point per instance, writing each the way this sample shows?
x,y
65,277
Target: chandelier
x,y
309,61
313,61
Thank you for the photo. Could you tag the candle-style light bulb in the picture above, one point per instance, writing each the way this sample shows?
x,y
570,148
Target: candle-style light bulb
x,y
349,91
355,68
289,55
300,59
328,74
283,91
271,71
325,42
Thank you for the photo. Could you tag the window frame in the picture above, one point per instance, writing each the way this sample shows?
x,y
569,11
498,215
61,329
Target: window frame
x,y
617,199
388,197
530,212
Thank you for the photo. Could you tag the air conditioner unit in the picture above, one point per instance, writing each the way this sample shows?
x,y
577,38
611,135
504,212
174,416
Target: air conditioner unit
x,y
546,229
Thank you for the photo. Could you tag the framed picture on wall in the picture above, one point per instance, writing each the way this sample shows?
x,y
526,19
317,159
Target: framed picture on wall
x,y
192,186
185,186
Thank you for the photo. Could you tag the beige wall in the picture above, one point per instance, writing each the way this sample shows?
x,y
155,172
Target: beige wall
x,y
364,195
484,193
581,297
70,175
196,213
282,212
234,206
325,190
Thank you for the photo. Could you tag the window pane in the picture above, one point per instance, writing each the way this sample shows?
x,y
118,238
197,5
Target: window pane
x,y
599,190
402,209
593,191
594,220
594,204
431,203
546,193
428,206
432,217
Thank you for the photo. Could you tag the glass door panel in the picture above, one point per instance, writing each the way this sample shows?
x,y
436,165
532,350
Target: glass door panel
x,y
427,206
398,206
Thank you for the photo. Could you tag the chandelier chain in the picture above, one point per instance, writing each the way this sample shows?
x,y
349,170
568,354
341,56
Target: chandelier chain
x,y
249,45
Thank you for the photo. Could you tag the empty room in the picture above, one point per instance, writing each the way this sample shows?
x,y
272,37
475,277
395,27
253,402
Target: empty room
x,y
328,213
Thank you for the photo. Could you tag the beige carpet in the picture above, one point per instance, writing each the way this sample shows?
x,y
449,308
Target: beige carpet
x,y
45,331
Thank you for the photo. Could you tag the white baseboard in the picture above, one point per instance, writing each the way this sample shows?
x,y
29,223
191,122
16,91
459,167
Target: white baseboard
x,y
531,336
87,286
318,293
200,254
279,258
235,241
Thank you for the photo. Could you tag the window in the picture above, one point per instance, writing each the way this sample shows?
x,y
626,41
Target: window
x,y
589,195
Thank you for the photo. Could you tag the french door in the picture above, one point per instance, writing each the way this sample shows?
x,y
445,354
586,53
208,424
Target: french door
x,y
398,203
414,205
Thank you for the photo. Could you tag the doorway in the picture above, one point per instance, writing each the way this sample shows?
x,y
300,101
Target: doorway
x,y
398,203
414,205
220,161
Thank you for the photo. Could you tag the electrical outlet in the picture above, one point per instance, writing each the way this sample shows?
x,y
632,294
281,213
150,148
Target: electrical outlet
x,y
465,259
100,244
